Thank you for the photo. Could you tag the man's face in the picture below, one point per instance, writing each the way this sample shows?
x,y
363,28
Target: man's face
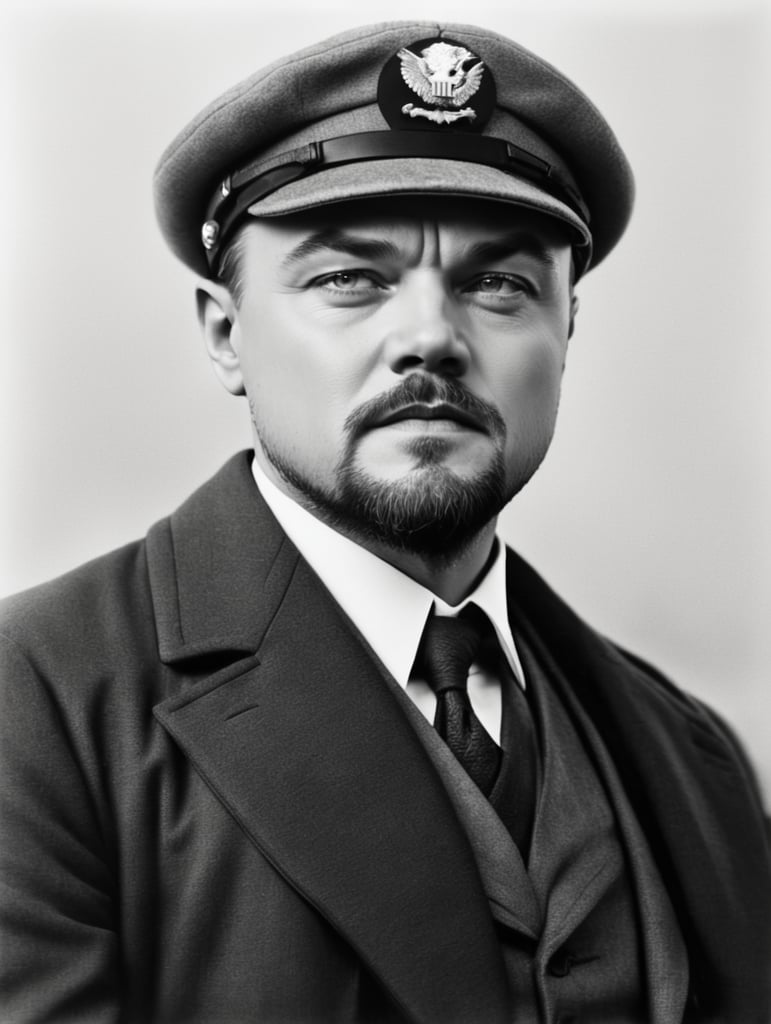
x,y
403,360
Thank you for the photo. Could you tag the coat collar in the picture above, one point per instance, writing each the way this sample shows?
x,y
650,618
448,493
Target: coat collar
x,y
219,567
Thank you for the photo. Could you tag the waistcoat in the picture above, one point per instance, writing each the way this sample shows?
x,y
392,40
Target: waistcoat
x,y
586,930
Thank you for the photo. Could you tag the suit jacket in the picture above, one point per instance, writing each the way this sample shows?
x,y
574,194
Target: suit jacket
x,y
213,809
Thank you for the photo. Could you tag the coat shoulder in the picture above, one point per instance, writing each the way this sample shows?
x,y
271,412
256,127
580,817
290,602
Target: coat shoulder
x,y
71,614
606,670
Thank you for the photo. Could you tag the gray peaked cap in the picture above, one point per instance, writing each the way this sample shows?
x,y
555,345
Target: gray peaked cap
x,y
400,108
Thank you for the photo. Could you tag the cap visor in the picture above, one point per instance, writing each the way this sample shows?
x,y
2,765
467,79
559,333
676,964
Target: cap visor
x,y
413,176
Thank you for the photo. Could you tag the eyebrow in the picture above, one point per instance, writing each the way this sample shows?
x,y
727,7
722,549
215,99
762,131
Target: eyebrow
x,y
514,244
334,240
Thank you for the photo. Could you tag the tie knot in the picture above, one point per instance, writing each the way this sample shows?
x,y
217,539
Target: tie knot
x,y
449,646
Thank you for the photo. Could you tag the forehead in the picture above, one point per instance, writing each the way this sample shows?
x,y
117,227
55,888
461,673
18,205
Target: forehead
x,y
460,220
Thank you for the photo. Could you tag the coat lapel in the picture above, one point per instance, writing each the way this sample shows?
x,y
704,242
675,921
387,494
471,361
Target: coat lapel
x,y
691,792
301,740
665,953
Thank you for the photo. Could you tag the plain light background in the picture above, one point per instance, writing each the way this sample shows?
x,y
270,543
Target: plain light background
x,y
651,512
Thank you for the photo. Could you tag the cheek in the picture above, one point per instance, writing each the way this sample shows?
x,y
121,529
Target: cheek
x,y
300,385
530,384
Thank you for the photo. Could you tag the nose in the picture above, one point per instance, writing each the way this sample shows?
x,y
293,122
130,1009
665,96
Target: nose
x,y
426,331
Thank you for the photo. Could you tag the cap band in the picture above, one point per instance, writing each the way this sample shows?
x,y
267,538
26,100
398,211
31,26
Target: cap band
x,y
254,182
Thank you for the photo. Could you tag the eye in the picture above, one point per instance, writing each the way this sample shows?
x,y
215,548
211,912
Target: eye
x,y
502,286
349,281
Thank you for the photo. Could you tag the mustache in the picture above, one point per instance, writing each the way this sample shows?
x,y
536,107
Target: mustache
x,y
429,390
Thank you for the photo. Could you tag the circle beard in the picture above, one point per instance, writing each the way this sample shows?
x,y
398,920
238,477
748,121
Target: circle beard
x,y
431,512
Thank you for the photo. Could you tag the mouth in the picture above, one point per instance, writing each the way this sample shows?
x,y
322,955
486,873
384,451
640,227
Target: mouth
x,y
442,414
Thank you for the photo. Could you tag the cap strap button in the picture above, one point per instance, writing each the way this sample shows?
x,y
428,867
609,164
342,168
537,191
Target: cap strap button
x,y
210,233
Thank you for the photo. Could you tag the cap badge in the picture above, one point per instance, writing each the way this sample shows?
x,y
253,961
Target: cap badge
x,y
436,80
439,77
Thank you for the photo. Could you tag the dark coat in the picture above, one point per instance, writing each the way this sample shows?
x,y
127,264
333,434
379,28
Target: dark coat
x,y
213,810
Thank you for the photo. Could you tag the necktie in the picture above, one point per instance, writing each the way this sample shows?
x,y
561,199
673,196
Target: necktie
x,y
447,649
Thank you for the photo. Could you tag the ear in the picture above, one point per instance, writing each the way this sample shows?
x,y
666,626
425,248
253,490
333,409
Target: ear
x,y
574,304
218,317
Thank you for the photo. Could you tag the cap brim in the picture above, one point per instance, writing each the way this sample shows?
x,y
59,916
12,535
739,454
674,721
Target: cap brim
x,y
378,179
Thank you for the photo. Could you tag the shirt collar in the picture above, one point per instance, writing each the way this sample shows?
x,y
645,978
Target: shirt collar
x,y
388,607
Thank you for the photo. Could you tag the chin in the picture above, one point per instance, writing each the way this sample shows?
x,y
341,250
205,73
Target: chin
x,y
431,511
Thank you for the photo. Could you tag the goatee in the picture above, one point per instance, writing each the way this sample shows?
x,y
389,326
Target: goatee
x,y
431,512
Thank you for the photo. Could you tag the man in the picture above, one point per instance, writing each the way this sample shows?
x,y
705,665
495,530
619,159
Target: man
x,y
320,747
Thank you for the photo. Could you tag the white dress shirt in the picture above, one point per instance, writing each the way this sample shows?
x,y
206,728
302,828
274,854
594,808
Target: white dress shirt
x,y
390,609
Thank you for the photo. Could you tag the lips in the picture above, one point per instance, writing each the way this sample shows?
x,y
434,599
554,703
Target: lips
x,y
440,411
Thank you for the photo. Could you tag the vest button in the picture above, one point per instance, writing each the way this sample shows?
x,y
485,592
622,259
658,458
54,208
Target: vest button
x,y
563,962
560,965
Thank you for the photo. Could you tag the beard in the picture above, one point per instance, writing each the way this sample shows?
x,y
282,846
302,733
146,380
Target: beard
x,y
431,511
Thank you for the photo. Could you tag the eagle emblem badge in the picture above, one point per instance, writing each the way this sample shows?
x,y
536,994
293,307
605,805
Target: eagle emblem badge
x,y
439,81
439,77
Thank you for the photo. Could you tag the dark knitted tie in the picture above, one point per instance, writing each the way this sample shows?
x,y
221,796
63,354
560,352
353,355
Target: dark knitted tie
x,y
447,650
